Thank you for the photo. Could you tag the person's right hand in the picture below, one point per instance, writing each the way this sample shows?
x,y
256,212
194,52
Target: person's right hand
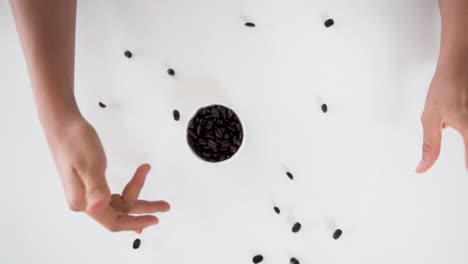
x,y
81,163
446,106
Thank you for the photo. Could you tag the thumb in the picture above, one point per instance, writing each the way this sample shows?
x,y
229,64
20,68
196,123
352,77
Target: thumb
x,y
431,146
96,190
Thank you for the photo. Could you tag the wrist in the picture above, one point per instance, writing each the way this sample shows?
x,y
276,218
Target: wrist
x,y
453,63
56,118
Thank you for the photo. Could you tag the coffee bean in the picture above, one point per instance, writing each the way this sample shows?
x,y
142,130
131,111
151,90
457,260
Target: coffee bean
x,y
230,113
211,143
136,243
176,115
202,141
215,112
329,22
226,143
128,54
222,110
324,108
102,105
233,149
294,261
289,175
209,124
249,24
171,72
218,132
337,234
192,134
296,227
236,141
277,210
226,136
257,259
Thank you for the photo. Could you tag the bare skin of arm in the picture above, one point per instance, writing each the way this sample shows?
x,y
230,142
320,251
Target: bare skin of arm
x,y
47,33
447,99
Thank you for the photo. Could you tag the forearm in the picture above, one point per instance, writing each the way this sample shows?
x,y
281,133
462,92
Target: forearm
x,y
47,33
454,42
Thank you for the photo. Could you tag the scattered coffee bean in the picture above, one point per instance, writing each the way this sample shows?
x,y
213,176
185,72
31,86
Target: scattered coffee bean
x,y
171,72
329,22
136,243
337,234
294,261
102,105
215,130
128,54
176,115
257,259
249,24
296,227
324,108
277,210
290,176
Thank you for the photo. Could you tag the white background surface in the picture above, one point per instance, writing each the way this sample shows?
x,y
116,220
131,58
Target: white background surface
x,y
353,167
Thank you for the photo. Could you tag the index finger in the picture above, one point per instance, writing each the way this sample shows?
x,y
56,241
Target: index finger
x,y
132,190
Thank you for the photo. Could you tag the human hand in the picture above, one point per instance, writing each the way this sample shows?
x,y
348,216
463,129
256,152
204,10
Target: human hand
x,y
81,163
446,106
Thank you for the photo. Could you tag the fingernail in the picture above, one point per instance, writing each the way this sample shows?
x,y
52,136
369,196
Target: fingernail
x,y
420,166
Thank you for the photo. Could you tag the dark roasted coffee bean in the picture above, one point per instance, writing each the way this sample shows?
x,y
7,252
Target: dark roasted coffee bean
x,y
290,176
176,115
171,72
329,22
337,234
277,210
192,134
236,141
128,54
233,149
257,259
296,227
218,132
211,143
230,113
209,124
294,261
198,130
226,143
191,124
102,105
136,243
226,136
249,24
215,112
324,108
222,110
191,143
202,141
